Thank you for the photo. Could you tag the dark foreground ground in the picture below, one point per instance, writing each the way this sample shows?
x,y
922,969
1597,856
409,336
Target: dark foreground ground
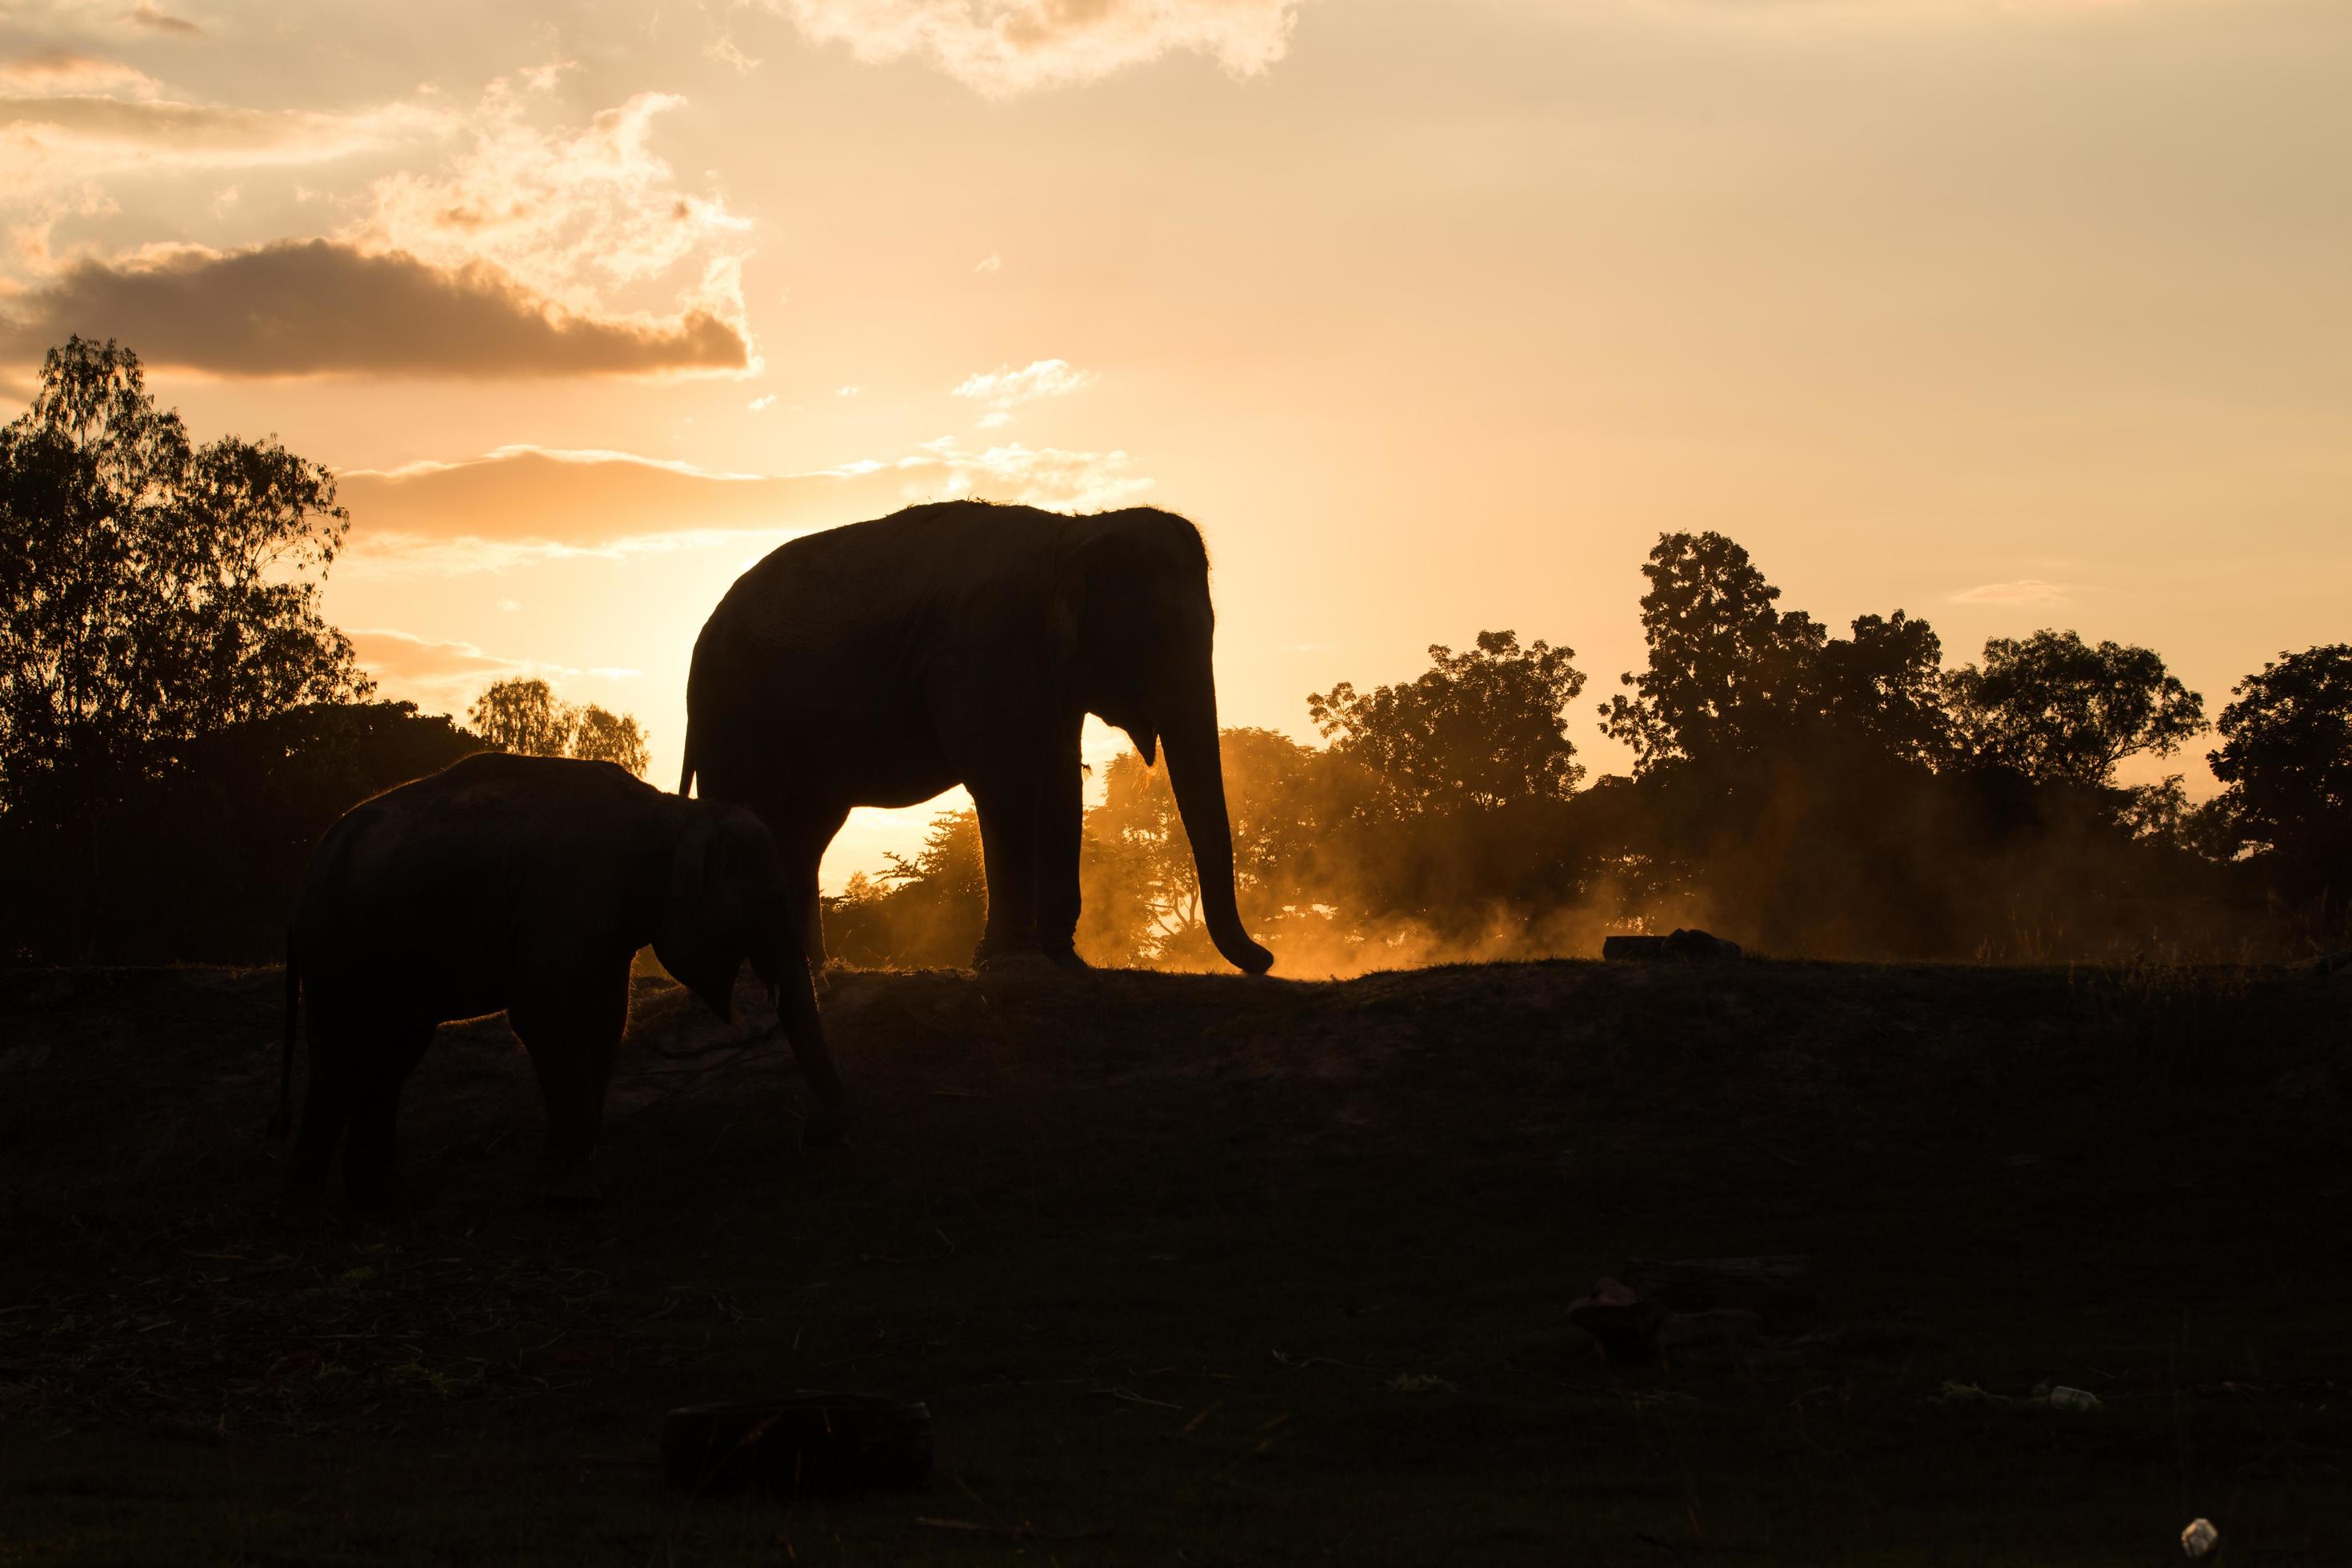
x,y
1200,1270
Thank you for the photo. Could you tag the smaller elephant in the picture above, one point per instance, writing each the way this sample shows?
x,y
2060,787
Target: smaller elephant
x,y
524,885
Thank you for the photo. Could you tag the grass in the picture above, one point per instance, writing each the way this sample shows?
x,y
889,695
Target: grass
x,y
1201,1269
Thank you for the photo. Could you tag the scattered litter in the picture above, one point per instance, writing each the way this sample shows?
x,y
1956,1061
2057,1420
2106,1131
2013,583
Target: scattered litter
x,y
1625,1323
2200,1537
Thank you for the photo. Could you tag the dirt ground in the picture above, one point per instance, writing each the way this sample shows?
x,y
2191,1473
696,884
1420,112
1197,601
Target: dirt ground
x,y
1201,1269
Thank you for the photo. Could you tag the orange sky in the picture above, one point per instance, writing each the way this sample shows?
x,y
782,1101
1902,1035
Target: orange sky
x,y
2006,312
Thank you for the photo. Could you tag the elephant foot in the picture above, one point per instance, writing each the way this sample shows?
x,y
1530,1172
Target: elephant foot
x,y
579,1188
1064,955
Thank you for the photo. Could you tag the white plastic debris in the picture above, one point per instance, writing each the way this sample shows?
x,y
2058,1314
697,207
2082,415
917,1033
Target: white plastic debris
x,y
2079,1399
2200,1537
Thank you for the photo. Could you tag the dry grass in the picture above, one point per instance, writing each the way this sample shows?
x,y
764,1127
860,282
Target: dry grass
x,y
1246,1271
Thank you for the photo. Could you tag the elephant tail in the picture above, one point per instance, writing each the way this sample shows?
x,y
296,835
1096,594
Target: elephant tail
x,y
283,1123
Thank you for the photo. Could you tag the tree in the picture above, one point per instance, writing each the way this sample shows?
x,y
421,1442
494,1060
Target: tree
x,y
152,590
2286,758
1731,675
1726,666
1885,688
2059,711
600,736
522,715
1480,729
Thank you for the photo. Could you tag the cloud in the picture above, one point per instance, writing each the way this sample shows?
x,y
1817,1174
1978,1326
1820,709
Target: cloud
x,y
1008,388
994,419
761,404
76,135
320,307
992,262
2023,591
728,53
145,15
404,661
574,216
1000,48
63,71
847,391
522,504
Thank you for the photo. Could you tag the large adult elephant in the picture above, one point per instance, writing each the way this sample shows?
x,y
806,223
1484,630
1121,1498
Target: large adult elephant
x,y
882,663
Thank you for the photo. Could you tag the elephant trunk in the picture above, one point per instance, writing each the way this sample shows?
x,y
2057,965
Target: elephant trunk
x,y
1188,732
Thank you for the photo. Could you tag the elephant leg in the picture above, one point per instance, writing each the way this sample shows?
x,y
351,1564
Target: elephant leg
x,y
369,1177
328,1094
828,1116
572,1032
1061,834
804,859
1008,848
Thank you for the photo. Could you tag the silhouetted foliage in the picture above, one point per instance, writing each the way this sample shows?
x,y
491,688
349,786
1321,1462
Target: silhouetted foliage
x,y
522,715
1482,728
152,591
2058,709
2286,759
199,862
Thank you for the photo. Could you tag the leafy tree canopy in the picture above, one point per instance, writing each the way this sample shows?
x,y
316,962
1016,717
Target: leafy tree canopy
x,y
522,715
151,590
1730,674
1483,727
2286,750
2060,710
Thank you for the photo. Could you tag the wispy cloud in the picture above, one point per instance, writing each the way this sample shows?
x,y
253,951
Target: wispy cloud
x,y
2023,591
728,53
65,71
524,504
1009,388
146,14
1000,48
992,262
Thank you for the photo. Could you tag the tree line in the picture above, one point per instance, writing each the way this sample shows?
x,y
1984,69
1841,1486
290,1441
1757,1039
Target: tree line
x,y
179,723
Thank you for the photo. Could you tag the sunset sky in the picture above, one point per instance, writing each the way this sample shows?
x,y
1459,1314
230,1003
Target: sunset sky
x,y
2009,313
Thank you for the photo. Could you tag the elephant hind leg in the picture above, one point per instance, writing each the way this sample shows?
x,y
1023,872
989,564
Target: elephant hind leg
x,y
370,1178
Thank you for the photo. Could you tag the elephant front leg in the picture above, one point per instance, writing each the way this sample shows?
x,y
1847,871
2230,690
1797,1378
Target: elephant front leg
x,y
1009,854
1061,835
571,1041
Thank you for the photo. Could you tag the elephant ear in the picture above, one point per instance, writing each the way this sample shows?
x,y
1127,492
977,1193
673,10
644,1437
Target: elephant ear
x,y
1098,622
684,935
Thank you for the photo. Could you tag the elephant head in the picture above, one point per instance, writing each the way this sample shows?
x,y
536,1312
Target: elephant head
x,y
725,902
1136,633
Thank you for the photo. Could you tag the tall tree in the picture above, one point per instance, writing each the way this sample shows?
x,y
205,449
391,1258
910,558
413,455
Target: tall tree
x,y
1483,727
521,714
1726,667
151,590
2286,758
2058,709
600,736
